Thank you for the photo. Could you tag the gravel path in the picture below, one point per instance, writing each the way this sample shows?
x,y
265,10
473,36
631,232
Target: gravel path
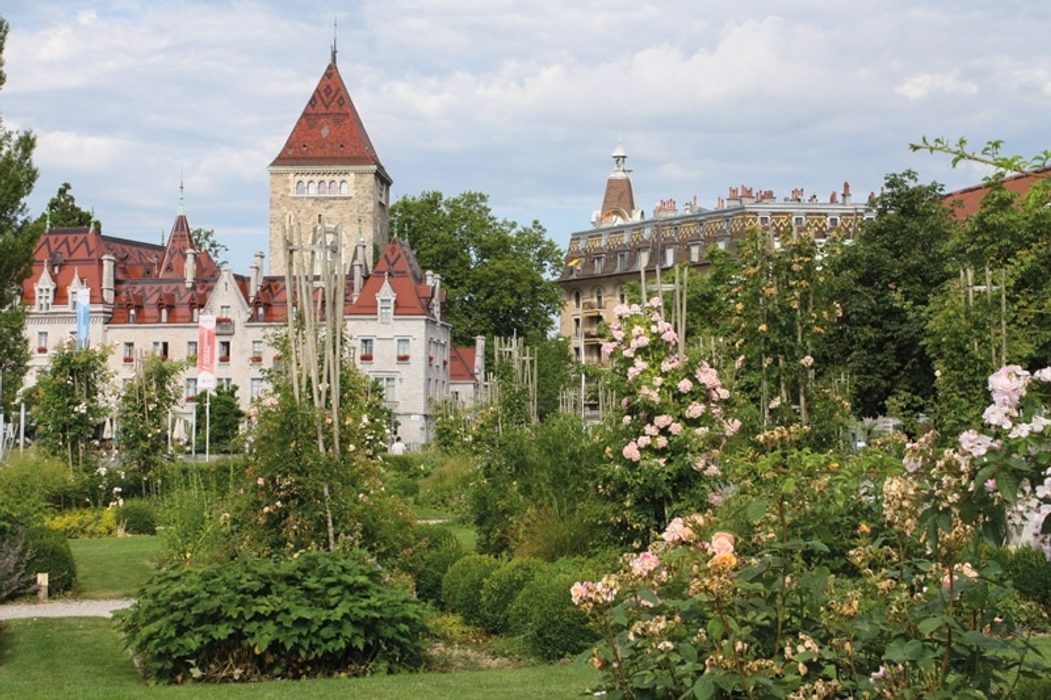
x,y
64,608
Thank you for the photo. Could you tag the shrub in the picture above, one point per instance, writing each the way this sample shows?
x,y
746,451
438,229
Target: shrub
x,y
1030,572
545,615
49,551
462,585
32,483
137,518
84,522
428,561
1033,689
502,587
318,614
446,484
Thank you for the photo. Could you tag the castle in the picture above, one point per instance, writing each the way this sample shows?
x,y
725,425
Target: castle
x,y
326,182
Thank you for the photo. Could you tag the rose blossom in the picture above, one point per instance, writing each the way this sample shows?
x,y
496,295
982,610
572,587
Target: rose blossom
x,y
722,543
644,440
651,429
685,386
661,442
999,415
644,563
677,531
1043,375
631,451
675,428
976,444
694,410
663,420
1007,385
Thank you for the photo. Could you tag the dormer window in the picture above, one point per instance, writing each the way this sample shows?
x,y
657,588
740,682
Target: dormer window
x,y
386,310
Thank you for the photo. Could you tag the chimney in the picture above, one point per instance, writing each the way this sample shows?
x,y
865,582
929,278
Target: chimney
x,y
191,267
357,273
479,357
846,193
257,274
436,298
109,262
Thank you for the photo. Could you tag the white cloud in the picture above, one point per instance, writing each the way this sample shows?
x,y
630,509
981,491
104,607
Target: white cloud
x,y
922,85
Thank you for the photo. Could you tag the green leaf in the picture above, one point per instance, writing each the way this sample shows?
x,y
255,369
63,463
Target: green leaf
x,y
704,688
756,508
715,629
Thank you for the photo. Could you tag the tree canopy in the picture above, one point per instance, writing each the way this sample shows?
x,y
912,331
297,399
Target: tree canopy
x,y
497,275
63,210
17,177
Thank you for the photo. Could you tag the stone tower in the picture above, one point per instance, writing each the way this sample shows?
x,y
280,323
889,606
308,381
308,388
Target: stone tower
x,y
328,174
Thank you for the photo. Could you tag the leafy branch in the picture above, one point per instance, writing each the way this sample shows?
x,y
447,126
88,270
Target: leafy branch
x,y
989,155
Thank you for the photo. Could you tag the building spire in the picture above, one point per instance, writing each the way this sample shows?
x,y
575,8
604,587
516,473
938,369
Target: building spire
x,y
182,203
335,32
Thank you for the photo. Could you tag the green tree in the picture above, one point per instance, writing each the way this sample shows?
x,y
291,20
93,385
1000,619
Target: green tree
x,y
225,417
17,237
497,275
68,403
204,240
62,210
885,280
142,414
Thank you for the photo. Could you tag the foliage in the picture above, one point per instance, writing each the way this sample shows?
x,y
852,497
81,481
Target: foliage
x,y
69,404
546,617
672,428
501,588
462,585
32,485
142,414
994,311
225,416
922,609
428,561
17,239
205,241
320,613
497,275
1030,573
49,551
885,280
84,522
137,518
62,211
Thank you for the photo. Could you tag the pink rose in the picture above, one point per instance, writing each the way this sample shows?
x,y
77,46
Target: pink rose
x,y
685,386
663,421
722,543
631,451
645,563
1007,385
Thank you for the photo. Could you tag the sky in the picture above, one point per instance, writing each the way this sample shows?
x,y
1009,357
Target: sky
x,y
523,100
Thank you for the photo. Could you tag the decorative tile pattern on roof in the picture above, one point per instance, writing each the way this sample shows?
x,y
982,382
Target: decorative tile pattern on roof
x,y
329,131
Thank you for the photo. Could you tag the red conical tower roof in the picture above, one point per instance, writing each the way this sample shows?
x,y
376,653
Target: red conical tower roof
x,y
329,132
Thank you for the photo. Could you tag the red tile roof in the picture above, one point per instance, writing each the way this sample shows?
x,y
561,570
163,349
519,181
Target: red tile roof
x,y
329,132
966,202
461,368
398,265
179,241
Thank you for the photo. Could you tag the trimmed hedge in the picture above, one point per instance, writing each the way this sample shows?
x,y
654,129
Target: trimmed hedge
x,y
462,586
544,614
138,518
318,614
436,551
49,551
1030,572
502,587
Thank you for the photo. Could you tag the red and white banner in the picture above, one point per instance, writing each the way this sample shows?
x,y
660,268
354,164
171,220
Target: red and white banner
x,y
206,352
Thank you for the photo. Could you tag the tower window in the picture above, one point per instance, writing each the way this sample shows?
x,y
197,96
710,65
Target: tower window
x,y
311,188
333,188
301,187
344,187
322,187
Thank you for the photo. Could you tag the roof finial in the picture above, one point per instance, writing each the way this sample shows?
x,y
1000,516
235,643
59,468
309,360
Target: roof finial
x,y
182,207
335,31
48,224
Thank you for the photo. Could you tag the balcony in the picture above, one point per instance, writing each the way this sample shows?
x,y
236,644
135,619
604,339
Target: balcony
x,y
224,326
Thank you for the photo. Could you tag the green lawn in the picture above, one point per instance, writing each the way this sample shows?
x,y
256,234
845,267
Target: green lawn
x,y
82,658
114,567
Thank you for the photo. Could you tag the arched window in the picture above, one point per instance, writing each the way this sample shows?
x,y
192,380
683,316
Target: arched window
x,y
333,188
311,188
576,298
322,187
597,293
301,187
622,296
344,188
